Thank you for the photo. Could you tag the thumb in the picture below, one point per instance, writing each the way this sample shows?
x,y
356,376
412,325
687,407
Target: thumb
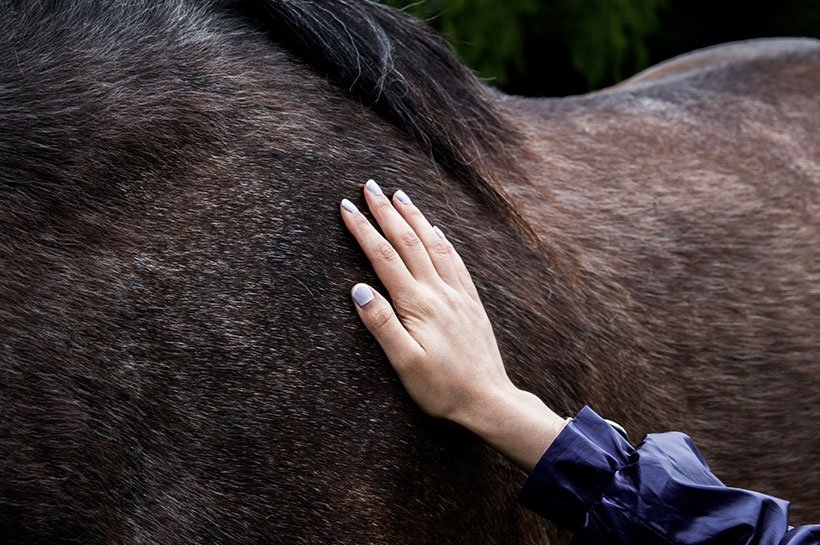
x,y
380,319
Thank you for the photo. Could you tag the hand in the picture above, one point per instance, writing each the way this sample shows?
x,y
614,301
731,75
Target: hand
x,y
439,338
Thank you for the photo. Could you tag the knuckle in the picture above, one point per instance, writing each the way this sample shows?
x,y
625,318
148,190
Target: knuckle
x,y
448,296
380,318
441,248
386,252
409,239
415,304
423,307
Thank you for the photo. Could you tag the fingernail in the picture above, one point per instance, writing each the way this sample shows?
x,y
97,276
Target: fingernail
x,y
373,187
349,206
402,197
362,294
439,233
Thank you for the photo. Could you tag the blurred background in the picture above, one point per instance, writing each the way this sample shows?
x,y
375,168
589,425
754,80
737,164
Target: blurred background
x,y
562,47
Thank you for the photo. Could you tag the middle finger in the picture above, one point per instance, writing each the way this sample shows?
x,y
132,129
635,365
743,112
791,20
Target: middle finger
x,y
403,238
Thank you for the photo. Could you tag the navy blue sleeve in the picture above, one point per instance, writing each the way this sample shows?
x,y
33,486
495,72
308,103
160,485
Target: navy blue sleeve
x,y
592,481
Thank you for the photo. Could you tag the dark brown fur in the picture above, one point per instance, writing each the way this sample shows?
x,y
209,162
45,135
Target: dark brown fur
x,y
180,360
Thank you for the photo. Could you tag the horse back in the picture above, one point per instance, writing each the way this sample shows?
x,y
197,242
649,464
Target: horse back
x,y
691,195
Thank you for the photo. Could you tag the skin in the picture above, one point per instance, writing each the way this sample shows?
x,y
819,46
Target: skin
x,y
437,335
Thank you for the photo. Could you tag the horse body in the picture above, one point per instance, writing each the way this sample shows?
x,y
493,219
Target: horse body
x,y
180,359
691,194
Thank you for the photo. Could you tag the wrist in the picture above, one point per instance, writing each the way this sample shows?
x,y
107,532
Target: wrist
x,y
516,423
483,407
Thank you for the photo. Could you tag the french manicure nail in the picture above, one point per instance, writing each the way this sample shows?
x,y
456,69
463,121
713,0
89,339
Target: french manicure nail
x,y
373,187
439,232
349,206
402,197
362,294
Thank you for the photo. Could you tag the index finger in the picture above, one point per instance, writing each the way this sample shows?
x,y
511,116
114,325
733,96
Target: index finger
x,y
387,262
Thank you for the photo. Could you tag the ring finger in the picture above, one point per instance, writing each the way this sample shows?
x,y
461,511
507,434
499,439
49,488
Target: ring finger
x,y
404,238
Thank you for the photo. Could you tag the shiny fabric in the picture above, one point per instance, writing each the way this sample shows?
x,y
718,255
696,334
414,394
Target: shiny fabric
x,y
592,481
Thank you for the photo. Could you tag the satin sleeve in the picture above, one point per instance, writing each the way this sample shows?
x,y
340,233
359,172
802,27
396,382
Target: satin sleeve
x,y
593,482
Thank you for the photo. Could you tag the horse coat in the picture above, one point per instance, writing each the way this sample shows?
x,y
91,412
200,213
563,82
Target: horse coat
x,y
180,361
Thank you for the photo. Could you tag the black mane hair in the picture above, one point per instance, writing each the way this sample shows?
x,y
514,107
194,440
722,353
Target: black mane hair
x,y
411,76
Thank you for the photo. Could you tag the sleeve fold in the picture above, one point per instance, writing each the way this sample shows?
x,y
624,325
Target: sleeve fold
x,y
592,481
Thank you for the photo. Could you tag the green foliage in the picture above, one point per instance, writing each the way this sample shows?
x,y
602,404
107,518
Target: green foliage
x,y
605,37
485,33
559,47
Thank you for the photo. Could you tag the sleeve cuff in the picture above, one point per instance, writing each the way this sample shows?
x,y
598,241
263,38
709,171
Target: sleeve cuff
x,y
576,468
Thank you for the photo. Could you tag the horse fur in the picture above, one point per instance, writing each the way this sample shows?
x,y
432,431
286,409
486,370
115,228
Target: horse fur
x,y
180,358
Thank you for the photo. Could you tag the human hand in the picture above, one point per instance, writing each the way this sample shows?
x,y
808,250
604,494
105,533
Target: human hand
x,y
439,338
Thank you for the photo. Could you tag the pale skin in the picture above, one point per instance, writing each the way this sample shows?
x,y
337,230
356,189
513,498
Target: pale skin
x,y
437,335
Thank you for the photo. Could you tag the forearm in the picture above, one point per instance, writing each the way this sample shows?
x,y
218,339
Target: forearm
x,y
516,423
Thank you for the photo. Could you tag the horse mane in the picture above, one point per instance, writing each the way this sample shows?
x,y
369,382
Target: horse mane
x,y
409,75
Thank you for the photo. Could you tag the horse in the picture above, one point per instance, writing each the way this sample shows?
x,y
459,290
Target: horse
x,y
181,362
